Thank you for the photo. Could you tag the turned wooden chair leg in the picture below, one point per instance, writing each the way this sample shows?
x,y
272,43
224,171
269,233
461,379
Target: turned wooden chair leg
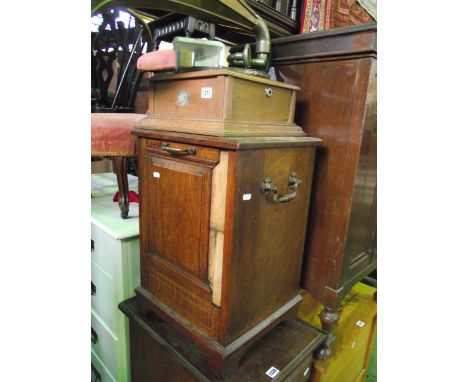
x,y
328,319
120,166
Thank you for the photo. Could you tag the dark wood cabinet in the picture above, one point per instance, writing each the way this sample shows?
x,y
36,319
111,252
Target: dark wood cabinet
x,y
161,354
337,73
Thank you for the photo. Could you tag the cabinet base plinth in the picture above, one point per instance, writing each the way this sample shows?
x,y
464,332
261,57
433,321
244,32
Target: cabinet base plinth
x,y
221,360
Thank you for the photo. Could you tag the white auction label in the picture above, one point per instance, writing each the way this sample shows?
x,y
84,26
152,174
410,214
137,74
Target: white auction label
x,y
156,174
246,196
206,92
272,372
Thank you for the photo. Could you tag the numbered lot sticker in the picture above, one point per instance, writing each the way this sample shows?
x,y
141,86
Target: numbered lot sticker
x,y
206,92
272,372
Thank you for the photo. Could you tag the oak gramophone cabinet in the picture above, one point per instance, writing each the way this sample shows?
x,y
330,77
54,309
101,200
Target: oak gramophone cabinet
x,y
225,178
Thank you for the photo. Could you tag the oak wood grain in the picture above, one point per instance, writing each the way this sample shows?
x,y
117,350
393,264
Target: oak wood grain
x,y
235,105
216,252
268,238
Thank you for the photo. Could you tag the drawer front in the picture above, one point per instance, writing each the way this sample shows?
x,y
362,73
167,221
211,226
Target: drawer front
x,y
184,151
104,300
104,345
99,371
301,373
106,251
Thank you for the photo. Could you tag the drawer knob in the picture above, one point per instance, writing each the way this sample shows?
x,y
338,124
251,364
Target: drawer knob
x,y
269,189
93,289
178,152
94,336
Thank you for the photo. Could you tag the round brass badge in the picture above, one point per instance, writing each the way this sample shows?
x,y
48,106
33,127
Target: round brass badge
x,y
182,98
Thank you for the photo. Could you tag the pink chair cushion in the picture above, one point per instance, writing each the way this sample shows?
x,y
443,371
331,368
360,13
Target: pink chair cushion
x,y
111,134
157,61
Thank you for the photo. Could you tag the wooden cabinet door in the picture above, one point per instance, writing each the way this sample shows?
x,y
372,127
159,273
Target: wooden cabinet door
x,y
175,203
179,200
360,249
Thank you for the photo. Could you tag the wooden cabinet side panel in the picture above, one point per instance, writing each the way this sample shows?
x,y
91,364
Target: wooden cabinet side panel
x,y
362,227
330,106
267,238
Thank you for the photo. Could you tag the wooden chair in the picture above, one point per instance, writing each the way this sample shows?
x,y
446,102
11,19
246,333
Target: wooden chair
x,y
115,79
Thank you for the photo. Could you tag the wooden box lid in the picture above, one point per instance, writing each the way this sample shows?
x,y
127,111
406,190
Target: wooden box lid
x,y
221,102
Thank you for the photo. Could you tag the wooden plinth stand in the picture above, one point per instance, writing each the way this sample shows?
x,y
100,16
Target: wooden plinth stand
x,y
160,353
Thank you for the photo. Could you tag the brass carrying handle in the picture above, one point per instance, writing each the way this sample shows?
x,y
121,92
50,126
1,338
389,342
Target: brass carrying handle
x,y
268,188
178,152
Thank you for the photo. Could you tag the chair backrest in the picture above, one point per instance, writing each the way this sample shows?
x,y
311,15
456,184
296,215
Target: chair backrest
x,y
121,38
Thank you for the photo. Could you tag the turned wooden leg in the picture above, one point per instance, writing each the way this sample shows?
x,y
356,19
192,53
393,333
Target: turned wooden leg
x,y
120,165
329,319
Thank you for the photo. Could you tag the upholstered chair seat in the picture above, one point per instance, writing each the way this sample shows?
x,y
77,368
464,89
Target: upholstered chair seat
x,y
111,134
160,60
111,137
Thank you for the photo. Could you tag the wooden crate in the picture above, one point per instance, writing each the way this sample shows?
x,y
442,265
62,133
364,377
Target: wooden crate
x,y
355,334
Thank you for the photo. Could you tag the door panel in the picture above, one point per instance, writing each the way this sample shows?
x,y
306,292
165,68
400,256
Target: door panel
x,y
362,226
179,237
175,204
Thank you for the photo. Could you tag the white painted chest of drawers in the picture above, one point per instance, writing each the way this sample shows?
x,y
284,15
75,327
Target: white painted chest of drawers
x,y
115,273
